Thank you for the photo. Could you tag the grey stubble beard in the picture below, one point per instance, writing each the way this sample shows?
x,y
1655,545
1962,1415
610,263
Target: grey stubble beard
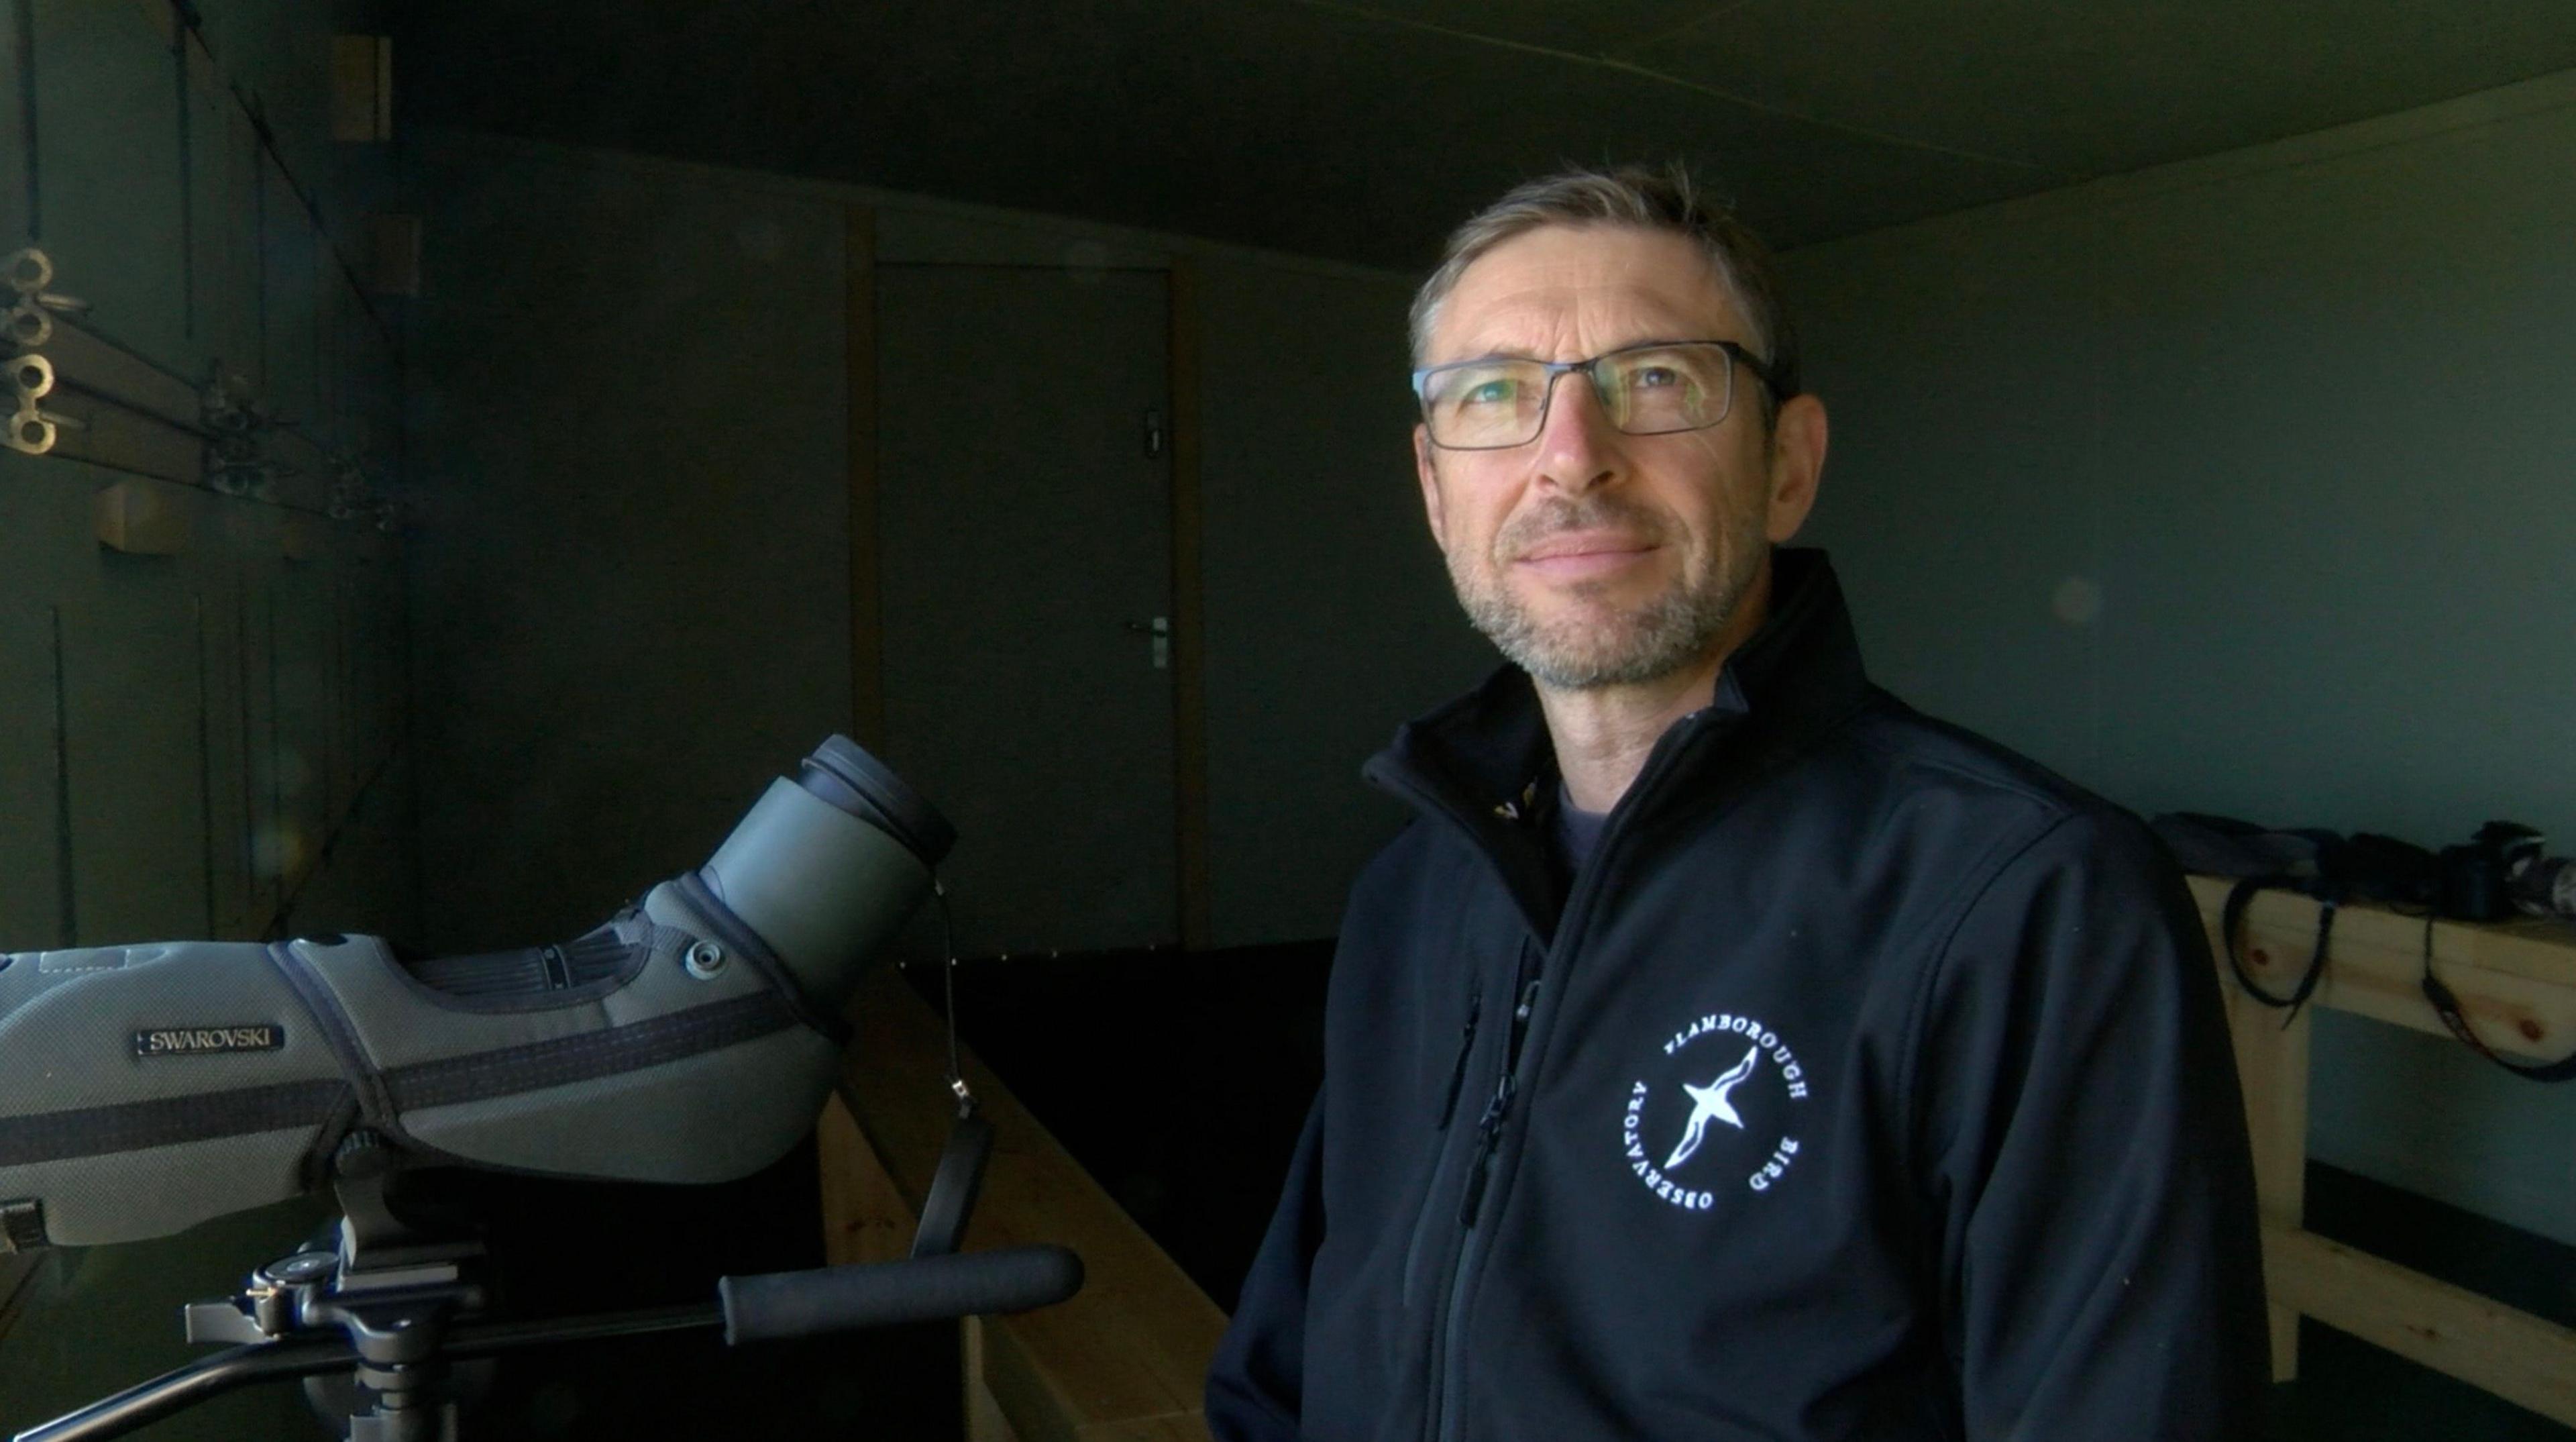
x,y
1647,643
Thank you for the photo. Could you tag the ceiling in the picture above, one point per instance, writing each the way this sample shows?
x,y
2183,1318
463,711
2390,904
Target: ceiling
x,y
1362,131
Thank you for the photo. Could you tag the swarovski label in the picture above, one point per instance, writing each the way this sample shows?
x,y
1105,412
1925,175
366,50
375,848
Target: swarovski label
x,y
209,1040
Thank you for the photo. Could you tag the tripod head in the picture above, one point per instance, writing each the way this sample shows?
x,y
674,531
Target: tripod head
x,y
387,1320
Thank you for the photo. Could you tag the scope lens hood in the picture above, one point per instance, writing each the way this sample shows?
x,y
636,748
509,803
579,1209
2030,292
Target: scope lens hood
x,y
844,774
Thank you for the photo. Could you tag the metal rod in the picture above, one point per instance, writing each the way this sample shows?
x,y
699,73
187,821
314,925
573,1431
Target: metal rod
x,y
178,1390
283,1360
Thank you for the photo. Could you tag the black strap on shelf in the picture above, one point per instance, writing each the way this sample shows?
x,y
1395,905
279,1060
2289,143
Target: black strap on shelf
x,y
2232,926
2446,1005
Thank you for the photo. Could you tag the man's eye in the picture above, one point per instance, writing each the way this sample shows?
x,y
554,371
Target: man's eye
x,y
1653,377
1496,392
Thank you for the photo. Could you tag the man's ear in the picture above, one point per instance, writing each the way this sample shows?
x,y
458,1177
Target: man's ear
x,y
1798,438
1430,478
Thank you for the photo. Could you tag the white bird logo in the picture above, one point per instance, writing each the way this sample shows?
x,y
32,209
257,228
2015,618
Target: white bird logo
x,y
1710,1101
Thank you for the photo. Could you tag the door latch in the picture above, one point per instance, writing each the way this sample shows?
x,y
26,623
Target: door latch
x,y
1160,628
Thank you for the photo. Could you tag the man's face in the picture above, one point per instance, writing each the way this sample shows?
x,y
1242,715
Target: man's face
x,y
1591,557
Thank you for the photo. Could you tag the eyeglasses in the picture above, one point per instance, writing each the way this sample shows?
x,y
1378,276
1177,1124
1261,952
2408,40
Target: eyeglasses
x,y
1646,390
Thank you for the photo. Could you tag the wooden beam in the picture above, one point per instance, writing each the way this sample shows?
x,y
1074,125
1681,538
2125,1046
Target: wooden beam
x,y
2516,980
864,1216
2272,1069
867,568
84,360
2519,1357
362,97
115,438
143,517
1124,1359
1189,615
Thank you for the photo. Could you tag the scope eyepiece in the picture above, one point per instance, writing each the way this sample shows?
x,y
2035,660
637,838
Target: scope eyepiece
x,y
843,774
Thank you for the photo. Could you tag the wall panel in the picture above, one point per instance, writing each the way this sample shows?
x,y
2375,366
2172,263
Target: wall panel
x,y
16,215
183,235
633,573
138,820
2300,413
108,165
1329,616
31,914
290,293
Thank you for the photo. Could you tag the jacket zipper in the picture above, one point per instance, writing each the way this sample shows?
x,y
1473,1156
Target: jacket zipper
x,y
1458,1073
1448,1110
1489,1127
1440,1422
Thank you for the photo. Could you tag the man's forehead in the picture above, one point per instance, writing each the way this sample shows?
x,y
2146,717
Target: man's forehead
x,y
1562,284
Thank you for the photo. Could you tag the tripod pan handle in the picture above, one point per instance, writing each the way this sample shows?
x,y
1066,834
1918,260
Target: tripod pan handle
x,y
921,1289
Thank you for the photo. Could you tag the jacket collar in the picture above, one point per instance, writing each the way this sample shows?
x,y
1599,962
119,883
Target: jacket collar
x,y
1485,759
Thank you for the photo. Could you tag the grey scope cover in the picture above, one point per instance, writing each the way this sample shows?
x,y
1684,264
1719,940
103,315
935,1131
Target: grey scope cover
x,y
146,1088
691,1039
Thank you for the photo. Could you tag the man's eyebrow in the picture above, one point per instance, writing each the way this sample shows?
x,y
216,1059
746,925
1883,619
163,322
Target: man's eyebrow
x,y
1509,354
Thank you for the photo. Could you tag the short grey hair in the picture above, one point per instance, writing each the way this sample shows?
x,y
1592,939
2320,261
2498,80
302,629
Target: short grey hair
x,y
1644,198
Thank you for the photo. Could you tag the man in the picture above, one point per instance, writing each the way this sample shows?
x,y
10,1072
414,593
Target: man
x,y
1727,1051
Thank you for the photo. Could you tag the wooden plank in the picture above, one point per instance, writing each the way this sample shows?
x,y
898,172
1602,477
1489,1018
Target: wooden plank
x,y
124,440
361,92
865,1218
867,569
2522,1358
2272,1069
84,360
142,517
2532,947
2516,980
1189,615
985,1420
1132,1351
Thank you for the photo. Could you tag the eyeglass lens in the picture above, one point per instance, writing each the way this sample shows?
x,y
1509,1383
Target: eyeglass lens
x,y
1486,405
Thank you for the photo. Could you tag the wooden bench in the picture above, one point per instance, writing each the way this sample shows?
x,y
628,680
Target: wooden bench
x,y
2516,982
1124,1360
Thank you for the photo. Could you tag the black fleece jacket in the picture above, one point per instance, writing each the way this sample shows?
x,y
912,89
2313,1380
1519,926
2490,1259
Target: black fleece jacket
x,y
1867,1082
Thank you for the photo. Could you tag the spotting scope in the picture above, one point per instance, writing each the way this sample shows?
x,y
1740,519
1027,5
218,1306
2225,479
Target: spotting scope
x,y
690,1038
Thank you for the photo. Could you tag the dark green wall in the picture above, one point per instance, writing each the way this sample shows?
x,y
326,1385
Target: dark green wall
x,y
2242,485
226,723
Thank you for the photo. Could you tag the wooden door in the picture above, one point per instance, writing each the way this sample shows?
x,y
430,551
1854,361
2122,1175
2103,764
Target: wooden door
x,y
1024,475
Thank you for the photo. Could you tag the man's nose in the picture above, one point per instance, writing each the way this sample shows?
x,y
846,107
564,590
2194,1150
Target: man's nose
x,y
1578,447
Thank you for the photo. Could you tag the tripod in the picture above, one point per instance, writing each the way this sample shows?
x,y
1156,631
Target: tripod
x,y
388,1323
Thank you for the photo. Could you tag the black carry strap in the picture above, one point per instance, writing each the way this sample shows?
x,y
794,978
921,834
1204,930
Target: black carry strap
x,y
2232,926
959,1179
2447,1006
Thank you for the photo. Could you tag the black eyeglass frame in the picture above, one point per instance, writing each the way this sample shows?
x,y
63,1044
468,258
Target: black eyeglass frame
x,y
1553,371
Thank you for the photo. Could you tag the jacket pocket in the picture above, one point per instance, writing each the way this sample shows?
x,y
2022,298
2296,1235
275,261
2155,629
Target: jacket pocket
x,y
1439,1146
